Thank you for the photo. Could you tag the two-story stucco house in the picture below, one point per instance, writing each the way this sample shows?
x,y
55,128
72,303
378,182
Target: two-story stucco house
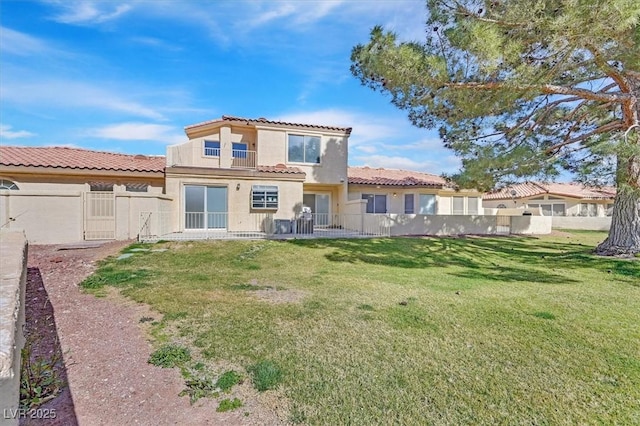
x,y
233,169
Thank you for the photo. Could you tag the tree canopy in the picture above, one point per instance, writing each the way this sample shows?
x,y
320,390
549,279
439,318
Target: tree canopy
x,y
522,89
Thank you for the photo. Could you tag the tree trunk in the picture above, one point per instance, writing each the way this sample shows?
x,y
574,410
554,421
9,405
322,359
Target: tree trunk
x,y
624,235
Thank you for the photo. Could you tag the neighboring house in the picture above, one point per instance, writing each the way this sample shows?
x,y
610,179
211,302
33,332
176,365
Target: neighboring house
x,y
553,199
66,194
233,169
406,192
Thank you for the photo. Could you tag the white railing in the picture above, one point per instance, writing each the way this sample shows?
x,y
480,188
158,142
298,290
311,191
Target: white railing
x,y
156,226
212,152
243,159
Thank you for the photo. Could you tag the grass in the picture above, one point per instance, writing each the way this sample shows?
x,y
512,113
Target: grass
x,y
411,330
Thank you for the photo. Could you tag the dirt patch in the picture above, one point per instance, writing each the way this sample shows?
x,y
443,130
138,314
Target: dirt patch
x,y
276,294
105,350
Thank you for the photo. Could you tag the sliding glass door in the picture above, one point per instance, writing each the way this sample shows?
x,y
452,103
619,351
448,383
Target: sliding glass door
x,y
205,207
320,205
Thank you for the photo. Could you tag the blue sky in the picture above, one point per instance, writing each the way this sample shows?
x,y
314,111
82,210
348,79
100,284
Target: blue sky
x,y
127,76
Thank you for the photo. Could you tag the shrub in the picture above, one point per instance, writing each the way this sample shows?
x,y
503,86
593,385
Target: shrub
x,y
228,405
169,356
228,380
266,375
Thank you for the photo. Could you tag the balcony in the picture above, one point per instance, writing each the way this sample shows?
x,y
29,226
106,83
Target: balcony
x,y
243,159
240,158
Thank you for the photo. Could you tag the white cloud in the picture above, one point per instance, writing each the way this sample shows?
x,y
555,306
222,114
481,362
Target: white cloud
x,y
86,11
65,93
448,164
135,131
21,44
7,133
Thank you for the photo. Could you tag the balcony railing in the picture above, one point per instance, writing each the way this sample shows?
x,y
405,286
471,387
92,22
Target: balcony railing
x,y
243,159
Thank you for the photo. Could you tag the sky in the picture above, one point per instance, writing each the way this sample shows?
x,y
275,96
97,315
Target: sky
x,y
128,76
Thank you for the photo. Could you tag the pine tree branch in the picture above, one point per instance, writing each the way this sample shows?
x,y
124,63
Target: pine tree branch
x,y
611,126
547,89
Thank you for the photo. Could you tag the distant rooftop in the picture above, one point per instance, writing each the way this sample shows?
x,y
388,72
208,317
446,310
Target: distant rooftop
x,y
531,189
393,177
229,118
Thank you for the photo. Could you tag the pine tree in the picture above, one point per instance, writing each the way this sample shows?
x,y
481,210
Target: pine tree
x,y
524,89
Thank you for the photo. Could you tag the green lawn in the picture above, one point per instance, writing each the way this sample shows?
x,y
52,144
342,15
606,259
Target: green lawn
x,y
409,330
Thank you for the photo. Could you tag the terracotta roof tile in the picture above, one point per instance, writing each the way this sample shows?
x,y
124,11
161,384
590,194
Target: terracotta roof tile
x,y
76,158
393,177
531,189
280,169
265,121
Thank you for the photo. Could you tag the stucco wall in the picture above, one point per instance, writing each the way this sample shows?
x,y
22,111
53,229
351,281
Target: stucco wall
x,y
57,217
401,224
270,145
13,277
47,217
396,198
412,224
583,223
530,225
238,198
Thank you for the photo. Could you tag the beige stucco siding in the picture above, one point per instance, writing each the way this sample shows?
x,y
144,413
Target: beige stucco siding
x,y
396,197
240,211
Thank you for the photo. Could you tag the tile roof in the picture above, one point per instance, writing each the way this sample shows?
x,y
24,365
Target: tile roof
x,y
230,118
280,168
81,159
393,177
531,189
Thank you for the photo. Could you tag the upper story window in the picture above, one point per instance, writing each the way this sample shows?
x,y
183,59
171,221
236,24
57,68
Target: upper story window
x,y
212,148
304,149
7,184
239,150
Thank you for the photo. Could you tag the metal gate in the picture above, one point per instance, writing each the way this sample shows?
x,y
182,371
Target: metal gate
x,y
503,224
99,216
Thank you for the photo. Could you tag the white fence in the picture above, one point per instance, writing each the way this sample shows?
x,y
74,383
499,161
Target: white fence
x,y
156,226
582,223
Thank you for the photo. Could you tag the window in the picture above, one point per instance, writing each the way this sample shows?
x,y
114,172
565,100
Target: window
x,y
136,187
609,209
7,184
408,204
502,206
472,205
304,149
264,197
588,209
457,205
101,186
375,203
427,204
212,148
550,209
239,150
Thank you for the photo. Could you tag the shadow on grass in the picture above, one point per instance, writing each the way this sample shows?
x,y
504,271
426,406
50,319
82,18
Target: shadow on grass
x,y
493,258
